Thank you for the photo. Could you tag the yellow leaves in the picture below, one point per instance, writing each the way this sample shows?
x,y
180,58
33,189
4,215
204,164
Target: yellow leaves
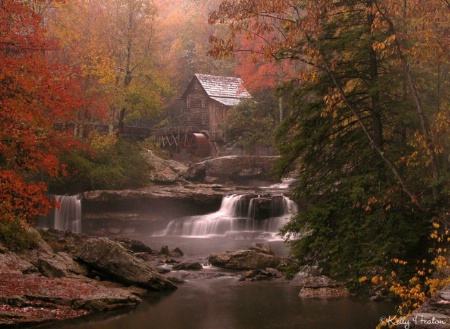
x,y
97,64
332,99
385,47
362,279
399,261
429,276
440,263
101,143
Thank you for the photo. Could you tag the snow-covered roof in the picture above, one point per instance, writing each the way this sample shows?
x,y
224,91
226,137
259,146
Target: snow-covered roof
x,y
225,90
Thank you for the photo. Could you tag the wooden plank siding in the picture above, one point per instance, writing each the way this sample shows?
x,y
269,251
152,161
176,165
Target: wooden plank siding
x,y
206,100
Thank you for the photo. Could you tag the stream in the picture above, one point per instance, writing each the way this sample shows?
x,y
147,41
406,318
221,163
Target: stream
x,y
224,302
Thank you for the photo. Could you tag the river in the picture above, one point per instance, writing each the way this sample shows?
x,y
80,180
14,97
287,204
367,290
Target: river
x,y
210,302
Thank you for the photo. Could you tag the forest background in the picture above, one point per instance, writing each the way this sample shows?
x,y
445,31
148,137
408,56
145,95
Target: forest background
x,y
361,89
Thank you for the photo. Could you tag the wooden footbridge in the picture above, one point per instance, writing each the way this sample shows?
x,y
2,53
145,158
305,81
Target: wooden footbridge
x,y
175,139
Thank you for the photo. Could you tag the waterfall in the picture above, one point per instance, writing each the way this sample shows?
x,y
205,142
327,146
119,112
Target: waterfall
x,y
237,213
66,217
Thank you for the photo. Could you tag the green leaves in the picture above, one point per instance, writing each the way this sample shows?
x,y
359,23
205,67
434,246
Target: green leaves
x,y
252,124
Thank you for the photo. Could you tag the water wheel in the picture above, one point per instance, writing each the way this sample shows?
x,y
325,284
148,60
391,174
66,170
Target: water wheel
x,y
195,143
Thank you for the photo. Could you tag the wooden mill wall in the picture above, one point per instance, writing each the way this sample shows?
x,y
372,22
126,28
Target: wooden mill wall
x,y
195,107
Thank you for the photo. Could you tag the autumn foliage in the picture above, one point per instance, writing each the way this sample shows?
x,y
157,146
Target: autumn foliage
x,y
367,126
33,96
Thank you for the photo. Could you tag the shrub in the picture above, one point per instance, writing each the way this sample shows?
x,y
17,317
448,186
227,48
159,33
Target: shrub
x,y
15,235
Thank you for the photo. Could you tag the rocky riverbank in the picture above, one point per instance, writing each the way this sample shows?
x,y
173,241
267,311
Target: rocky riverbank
x,y
69,275
73,275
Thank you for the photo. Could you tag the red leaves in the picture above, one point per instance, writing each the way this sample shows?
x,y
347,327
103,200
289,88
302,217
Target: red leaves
x,y
40,291
21,199
33,96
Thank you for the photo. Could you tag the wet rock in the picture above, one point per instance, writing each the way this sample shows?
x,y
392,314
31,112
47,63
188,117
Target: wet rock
x,y
246,259
112,260
258,275
262,247
173,253
164,250
134,245
162,270
168,260
188,266
177,278
177,252
323,287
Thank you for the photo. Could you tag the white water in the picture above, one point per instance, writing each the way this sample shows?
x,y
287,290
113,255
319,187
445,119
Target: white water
x,y
237,214
66,217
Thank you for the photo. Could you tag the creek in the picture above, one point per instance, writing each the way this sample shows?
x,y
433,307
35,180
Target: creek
x,y
216,302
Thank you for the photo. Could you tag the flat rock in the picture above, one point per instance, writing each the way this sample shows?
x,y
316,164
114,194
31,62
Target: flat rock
x,y
31,299
322,287
233,168
246,259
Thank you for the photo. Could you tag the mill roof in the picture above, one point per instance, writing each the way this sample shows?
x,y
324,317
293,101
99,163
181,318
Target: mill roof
x,y
226,90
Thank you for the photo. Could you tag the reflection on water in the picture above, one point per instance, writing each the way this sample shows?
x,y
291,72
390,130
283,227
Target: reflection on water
x,y
225,303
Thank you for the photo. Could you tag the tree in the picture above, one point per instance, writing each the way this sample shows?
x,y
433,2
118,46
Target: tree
x,y
247,124
359,128
33,96
112,48
78,26
132,40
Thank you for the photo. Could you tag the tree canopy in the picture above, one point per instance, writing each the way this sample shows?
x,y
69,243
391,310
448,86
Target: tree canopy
x,y
33,94
368,117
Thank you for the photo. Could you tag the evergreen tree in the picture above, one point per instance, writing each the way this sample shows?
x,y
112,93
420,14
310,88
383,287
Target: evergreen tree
x,y
357,129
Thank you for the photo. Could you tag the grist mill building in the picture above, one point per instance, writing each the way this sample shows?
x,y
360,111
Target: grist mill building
x,y
204,105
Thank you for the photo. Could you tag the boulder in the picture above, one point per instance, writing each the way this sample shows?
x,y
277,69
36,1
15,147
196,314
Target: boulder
x,y
177,252
42,260
246,259
164,171
323,287
59,265
134,245
262,247
11,263
231,169
112,260
187,266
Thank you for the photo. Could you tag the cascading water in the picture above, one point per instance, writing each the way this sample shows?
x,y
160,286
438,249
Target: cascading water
x,y
238,213
66,217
